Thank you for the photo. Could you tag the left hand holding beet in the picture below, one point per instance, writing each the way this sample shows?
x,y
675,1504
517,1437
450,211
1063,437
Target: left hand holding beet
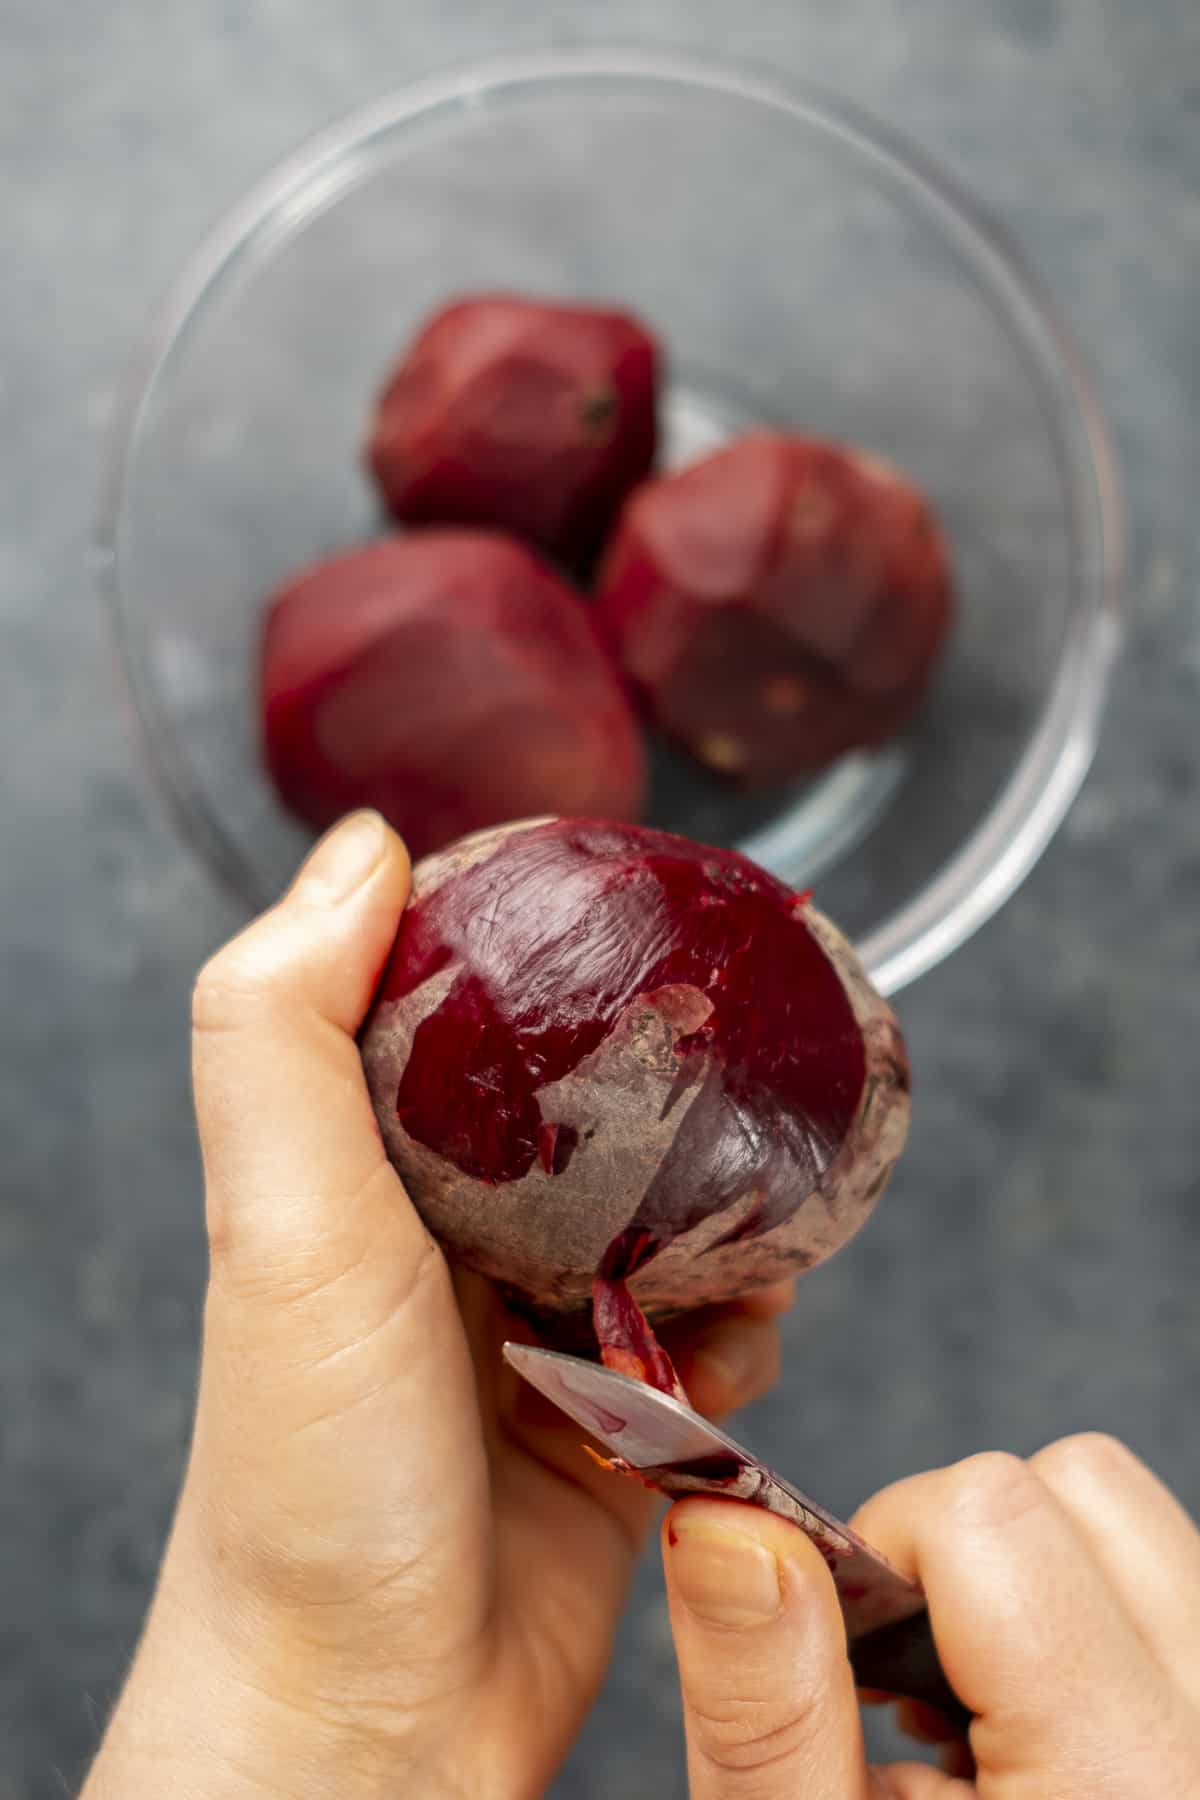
x,y
391,1569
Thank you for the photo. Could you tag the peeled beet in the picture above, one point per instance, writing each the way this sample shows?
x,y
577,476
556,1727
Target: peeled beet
x,y
530,415
777,604
604,1051
449,679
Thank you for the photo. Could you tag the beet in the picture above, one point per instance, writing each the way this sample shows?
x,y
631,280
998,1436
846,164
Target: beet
x,y
449,679
777,604
605,1051
529,415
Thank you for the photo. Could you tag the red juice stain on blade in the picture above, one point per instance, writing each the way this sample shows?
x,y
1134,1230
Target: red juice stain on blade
x,y
603,1421
555,935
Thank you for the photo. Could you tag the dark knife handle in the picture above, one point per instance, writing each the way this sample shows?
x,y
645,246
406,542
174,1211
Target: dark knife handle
x,y
902,1659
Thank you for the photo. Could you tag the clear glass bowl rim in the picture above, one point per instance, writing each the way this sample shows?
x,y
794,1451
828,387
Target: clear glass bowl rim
x,y
1006,843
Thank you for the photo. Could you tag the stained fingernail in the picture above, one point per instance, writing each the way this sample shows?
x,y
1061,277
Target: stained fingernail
x,y
343,859
723,1576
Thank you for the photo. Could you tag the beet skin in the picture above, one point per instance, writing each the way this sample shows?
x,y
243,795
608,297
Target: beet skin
x,y
777,604
534,416
449,679
600,1050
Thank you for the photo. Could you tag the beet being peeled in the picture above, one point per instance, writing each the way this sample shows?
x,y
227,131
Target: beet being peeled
x,y
602,1050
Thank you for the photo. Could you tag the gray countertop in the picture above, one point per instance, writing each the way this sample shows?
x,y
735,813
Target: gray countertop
x,y
1036,1266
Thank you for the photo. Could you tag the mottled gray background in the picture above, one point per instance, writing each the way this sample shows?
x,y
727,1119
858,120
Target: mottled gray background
x,y
1035,1268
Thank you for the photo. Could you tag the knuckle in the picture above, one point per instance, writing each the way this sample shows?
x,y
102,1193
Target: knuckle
x,y
995,1490
221,991
422,1286
755,1369
1092,1454
244,974
740,1738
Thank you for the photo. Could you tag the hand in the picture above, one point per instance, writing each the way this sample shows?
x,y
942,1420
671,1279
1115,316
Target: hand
x,y
392,1570
1065,1599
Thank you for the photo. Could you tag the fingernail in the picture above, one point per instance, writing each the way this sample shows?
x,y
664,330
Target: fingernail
x,y
722,1575
343,859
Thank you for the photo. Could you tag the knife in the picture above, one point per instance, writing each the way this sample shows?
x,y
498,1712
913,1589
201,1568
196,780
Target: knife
x,y
673,1448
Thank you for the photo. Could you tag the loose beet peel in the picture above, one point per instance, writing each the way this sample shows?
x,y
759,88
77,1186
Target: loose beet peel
x,y
606,1053
777,604
627,1342
449,679
523,414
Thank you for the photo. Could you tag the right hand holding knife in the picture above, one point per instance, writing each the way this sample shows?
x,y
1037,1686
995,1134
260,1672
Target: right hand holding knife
x,y
1064,1593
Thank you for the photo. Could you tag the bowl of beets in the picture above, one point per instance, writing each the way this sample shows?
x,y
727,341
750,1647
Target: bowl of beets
x,y
543,599
619,437
654,491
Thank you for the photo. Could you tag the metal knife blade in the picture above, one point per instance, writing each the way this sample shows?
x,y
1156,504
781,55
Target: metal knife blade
x,y
677,1451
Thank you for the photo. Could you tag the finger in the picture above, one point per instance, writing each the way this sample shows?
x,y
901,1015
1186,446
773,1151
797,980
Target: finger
x,y
768,1695
764,1303
1142,1538
337,1437
1030,1633
726,1360
768,1302
296,1174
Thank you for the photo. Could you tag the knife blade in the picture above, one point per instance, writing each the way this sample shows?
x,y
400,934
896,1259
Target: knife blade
x,y
673,1448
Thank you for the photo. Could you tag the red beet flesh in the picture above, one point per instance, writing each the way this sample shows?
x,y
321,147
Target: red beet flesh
x,y
533,1000
449,679
777,604
512,412
600,1050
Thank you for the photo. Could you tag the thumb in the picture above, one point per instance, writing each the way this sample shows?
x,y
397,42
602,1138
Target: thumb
x,y
291,1150
331,1324
770,1707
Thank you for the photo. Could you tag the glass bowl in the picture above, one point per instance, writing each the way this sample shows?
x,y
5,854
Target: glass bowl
x,y
804,270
